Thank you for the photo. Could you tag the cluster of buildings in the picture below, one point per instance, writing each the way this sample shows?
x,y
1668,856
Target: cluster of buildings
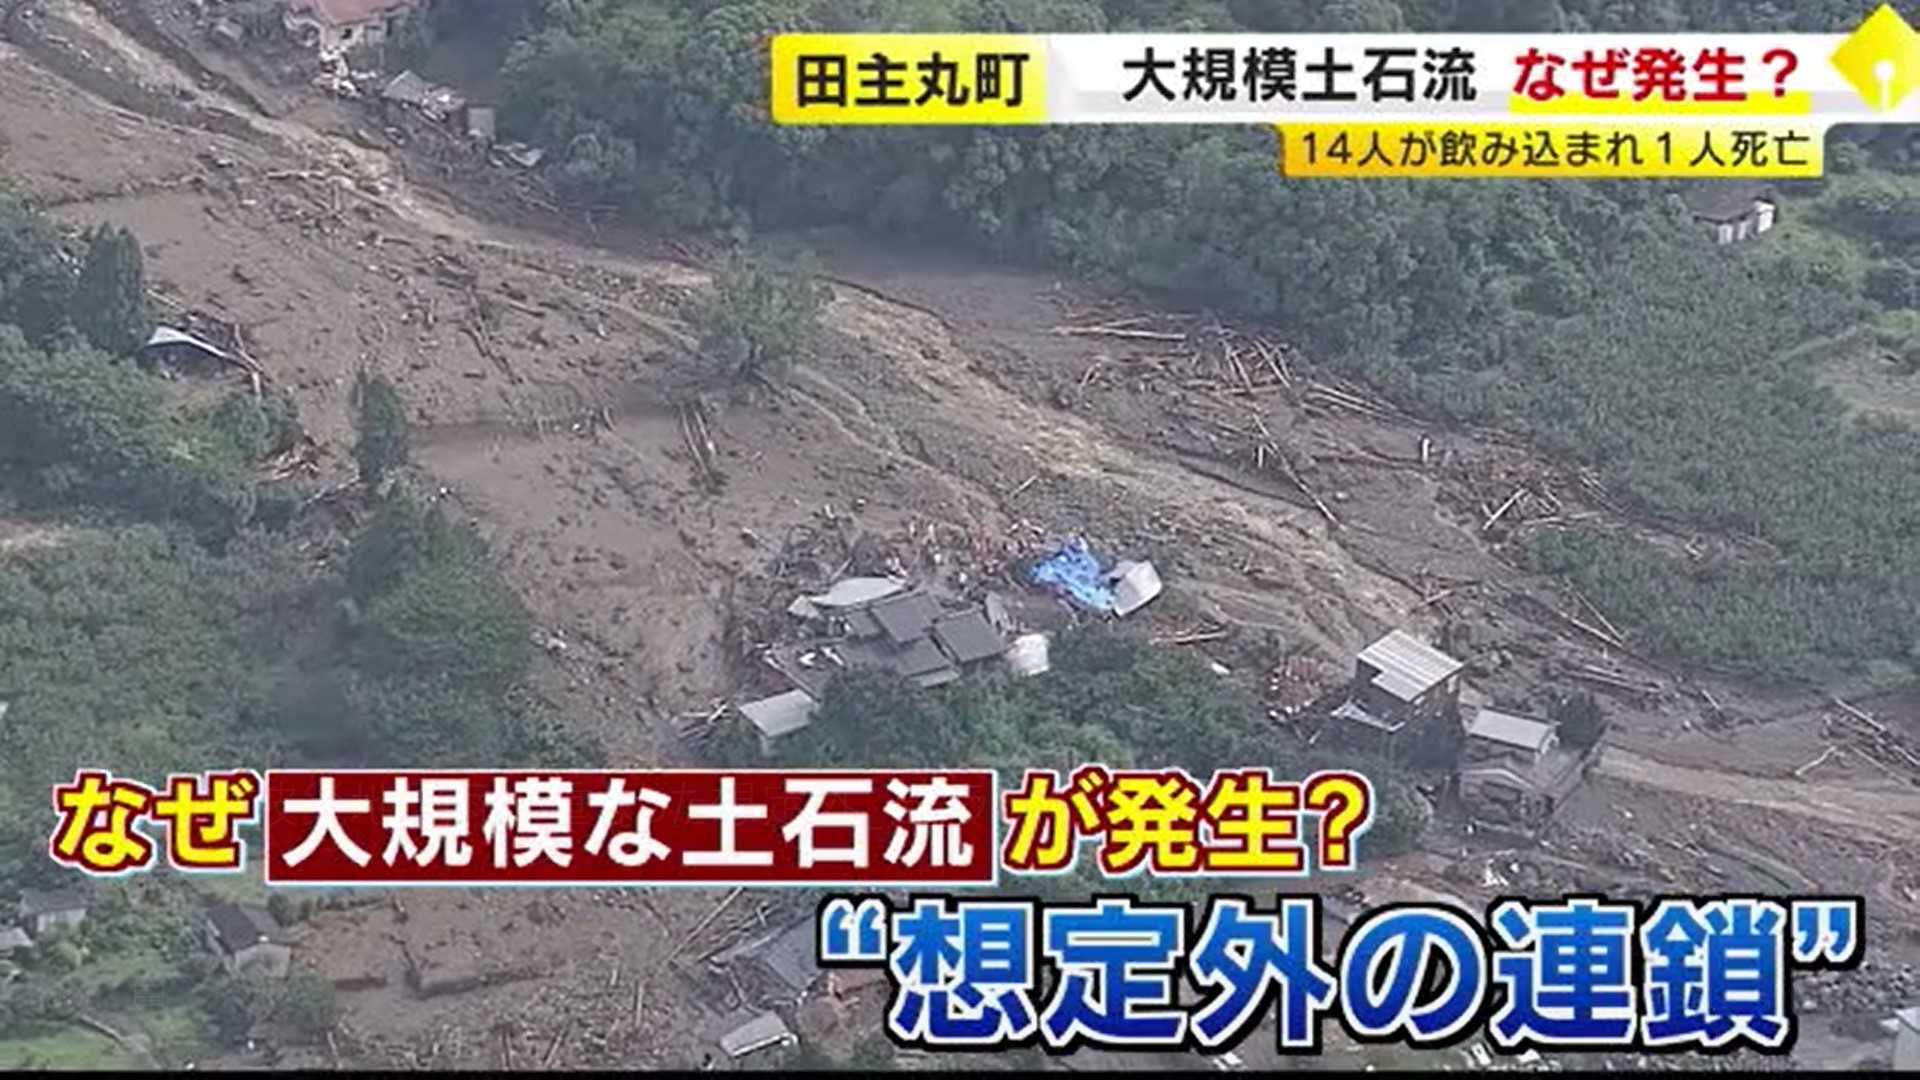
x,y
885,624
334,27
243,940
1512,770
779,973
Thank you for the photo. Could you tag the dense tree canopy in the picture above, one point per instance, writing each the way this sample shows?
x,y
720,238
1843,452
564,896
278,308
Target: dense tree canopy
x,y
1110,698
147,624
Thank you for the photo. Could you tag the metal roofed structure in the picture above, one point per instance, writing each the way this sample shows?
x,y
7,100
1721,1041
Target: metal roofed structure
x,y
1519,732
779,715
166,337
407,88
907,616
764,1030
1406,667
968,637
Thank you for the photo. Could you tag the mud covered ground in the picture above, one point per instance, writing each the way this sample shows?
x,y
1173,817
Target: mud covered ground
x,y
944,414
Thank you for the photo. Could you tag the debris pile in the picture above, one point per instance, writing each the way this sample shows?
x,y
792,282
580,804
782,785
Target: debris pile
x,y
1075,572
875,623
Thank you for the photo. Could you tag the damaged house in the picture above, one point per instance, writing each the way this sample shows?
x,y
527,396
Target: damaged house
x,y
879,624
1400,681
407,94
176,352
335,26
1514,770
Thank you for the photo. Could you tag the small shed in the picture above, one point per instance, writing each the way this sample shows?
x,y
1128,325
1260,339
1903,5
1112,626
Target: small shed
x,y
1135,584
177,350
1733,210
778,716
407,89
245,941
1028,655
1492,733
43,911
759,1033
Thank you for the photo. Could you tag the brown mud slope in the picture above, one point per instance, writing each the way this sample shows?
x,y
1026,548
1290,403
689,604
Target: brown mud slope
x,y
944,414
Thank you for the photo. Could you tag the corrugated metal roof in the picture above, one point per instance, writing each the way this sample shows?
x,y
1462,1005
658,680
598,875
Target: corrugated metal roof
x,y
1407,666
1510,730
756,1034
235,928
968,637
918,657
781,714
855,591
167,335
906,617
407,88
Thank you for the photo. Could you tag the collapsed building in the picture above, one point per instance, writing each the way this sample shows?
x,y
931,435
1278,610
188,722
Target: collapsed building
x,y
883,624
335,26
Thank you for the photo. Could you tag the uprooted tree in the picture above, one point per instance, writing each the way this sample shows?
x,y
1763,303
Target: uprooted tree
x,y
760,315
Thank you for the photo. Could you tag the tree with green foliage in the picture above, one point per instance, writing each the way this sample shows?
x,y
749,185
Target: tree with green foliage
x,y
384,444
1109,697
436,637
306,1004
35,282
1581,722
81,429
1400,817
759,316
108,305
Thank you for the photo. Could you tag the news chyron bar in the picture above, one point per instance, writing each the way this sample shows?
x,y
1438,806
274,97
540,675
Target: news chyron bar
x,y
1124,909
1754,106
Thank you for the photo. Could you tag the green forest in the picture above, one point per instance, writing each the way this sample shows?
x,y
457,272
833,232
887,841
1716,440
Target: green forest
x,y
1589,315
161,609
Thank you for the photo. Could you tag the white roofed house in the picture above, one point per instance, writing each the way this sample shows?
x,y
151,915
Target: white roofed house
x,y
1514,770
1400,681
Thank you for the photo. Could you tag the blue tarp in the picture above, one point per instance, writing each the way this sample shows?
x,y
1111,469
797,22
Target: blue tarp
x,y
1075,571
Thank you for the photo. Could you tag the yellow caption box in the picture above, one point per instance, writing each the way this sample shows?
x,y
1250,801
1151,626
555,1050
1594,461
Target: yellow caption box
x,y
1549,150
908,79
